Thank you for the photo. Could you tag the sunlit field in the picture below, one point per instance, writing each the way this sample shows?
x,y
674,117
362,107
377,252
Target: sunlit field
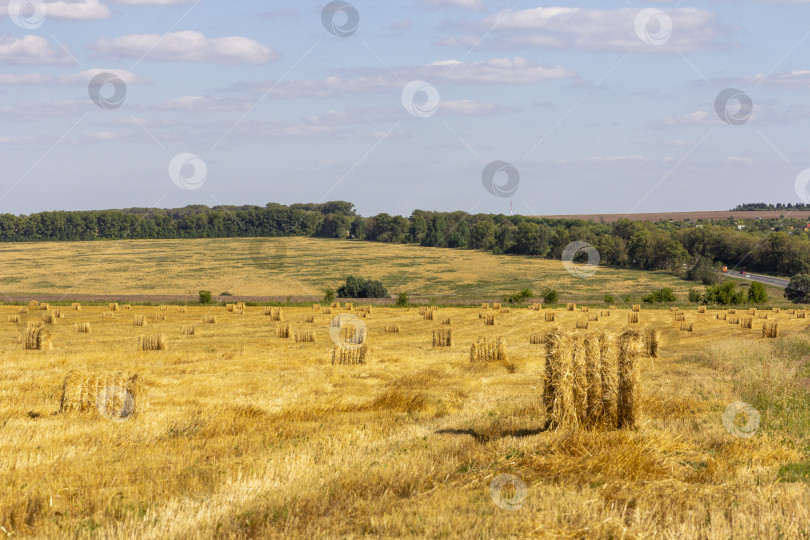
x,y
300,267
240,433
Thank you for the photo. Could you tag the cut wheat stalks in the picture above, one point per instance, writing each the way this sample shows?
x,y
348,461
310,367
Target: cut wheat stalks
x,y
752,311
114,396
609,376
33,303
496,305
275,314
732,311
701,309
316,306
335,305
580,378
443,337
675,308
585,309
484,306
612,308
309,318
44,306
489,350
230,307
791,312
536,338
163,308
37,338
350,355
108,315
571,307
114,307
733,320
82,328
326,311
76,307
582,325
428,315
558,385
22,310
604,313
632,318
189,331
209,319
506,310
690,327
636,308
776,310
392,329
489,320
801,314
307,336
140,320
14,318
763,316
770,330
49,317
180,310
630,348
593,318
680,316
651,340
722,316
160,317
447,321
155,342
535,307
747,323
551,317
285,331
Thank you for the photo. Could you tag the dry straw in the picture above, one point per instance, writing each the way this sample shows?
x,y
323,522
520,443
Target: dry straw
x,y
209,319
114,307
336,305
114,396
160,317
770,330
791,312
763,316
536,339
44,306
636,308
701,309
140,320
155,342
612,308
14,318
392,329
632,318
535,307
428,315
327,311
189,331
551,317
584,309
604,313
127,306
609,373
732,312
690,327
49,317
680,316
22,310
76,307
752,311
580,378
316,306
675,308
349,306
350,355
484,306
447,321
722,317
652,342
305,337
443,337
230,307
593,318
802,314
82,328
108,315
571,307
285,331
733,320
309,318
582,325
163,308
275,314
558,387
627,403
747,323
776,310
489,320
37,338
496,305
33,303
506,310
489,350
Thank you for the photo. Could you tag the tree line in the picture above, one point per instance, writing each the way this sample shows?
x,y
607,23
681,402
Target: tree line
x,y
779,246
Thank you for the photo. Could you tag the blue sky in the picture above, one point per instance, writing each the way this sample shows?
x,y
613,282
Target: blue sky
x,y
596,115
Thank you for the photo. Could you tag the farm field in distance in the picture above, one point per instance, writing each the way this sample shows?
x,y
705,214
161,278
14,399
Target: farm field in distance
x,y
241,433
303,268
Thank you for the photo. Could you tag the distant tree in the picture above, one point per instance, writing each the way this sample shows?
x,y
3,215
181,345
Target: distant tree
x,y
660,296
757,293
205,297
704,271
329,295
609,299
482,235
403,299
357,287
724,293
798,290
695,296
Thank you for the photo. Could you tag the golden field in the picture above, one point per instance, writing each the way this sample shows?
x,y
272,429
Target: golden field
x,y
299,267
241,434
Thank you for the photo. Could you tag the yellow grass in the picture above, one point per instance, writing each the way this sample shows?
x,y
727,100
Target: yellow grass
x,y
247,435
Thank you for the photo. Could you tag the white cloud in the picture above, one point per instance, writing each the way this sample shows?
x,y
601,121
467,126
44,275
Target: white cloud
x,y
79,79
30,51
186,46
476,5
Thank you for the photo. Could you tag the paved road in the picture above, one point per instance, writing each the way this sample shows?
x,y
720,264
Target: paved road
x,y
776,282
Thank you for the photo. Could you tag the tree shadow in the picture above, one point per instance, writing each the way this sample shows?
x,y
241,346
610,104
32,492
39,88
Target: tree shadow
x,y
489,435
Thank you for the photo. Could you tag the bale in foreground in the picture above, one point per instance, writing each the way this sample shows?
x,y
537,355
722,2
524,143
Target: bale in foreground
x,y
114,396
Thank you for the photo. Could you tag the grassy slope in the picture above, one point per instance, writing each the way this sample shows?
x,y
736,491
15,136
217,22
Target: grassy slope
x,y
246,434
298,267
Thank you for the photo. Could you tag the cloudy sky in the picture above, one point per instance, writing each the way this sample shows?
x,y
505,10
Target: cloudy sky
x,y
589,106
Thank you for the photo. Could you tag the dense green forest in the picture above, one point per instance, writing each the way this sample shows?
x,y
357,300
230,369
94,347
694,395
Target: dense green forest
x,y
779,246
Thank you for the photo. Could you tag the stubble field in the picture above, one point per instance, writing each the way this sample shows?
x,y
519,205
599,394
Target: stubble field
x,y
240,433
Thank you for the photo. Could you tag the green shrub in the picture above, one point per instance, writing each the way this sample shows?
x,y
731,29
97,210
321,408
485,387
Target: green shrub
x,y
329,295
725,294
357,287
660,296
757,293
519,296
205,297
403,299
694,296
549,296
798,290
609,299
705,271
